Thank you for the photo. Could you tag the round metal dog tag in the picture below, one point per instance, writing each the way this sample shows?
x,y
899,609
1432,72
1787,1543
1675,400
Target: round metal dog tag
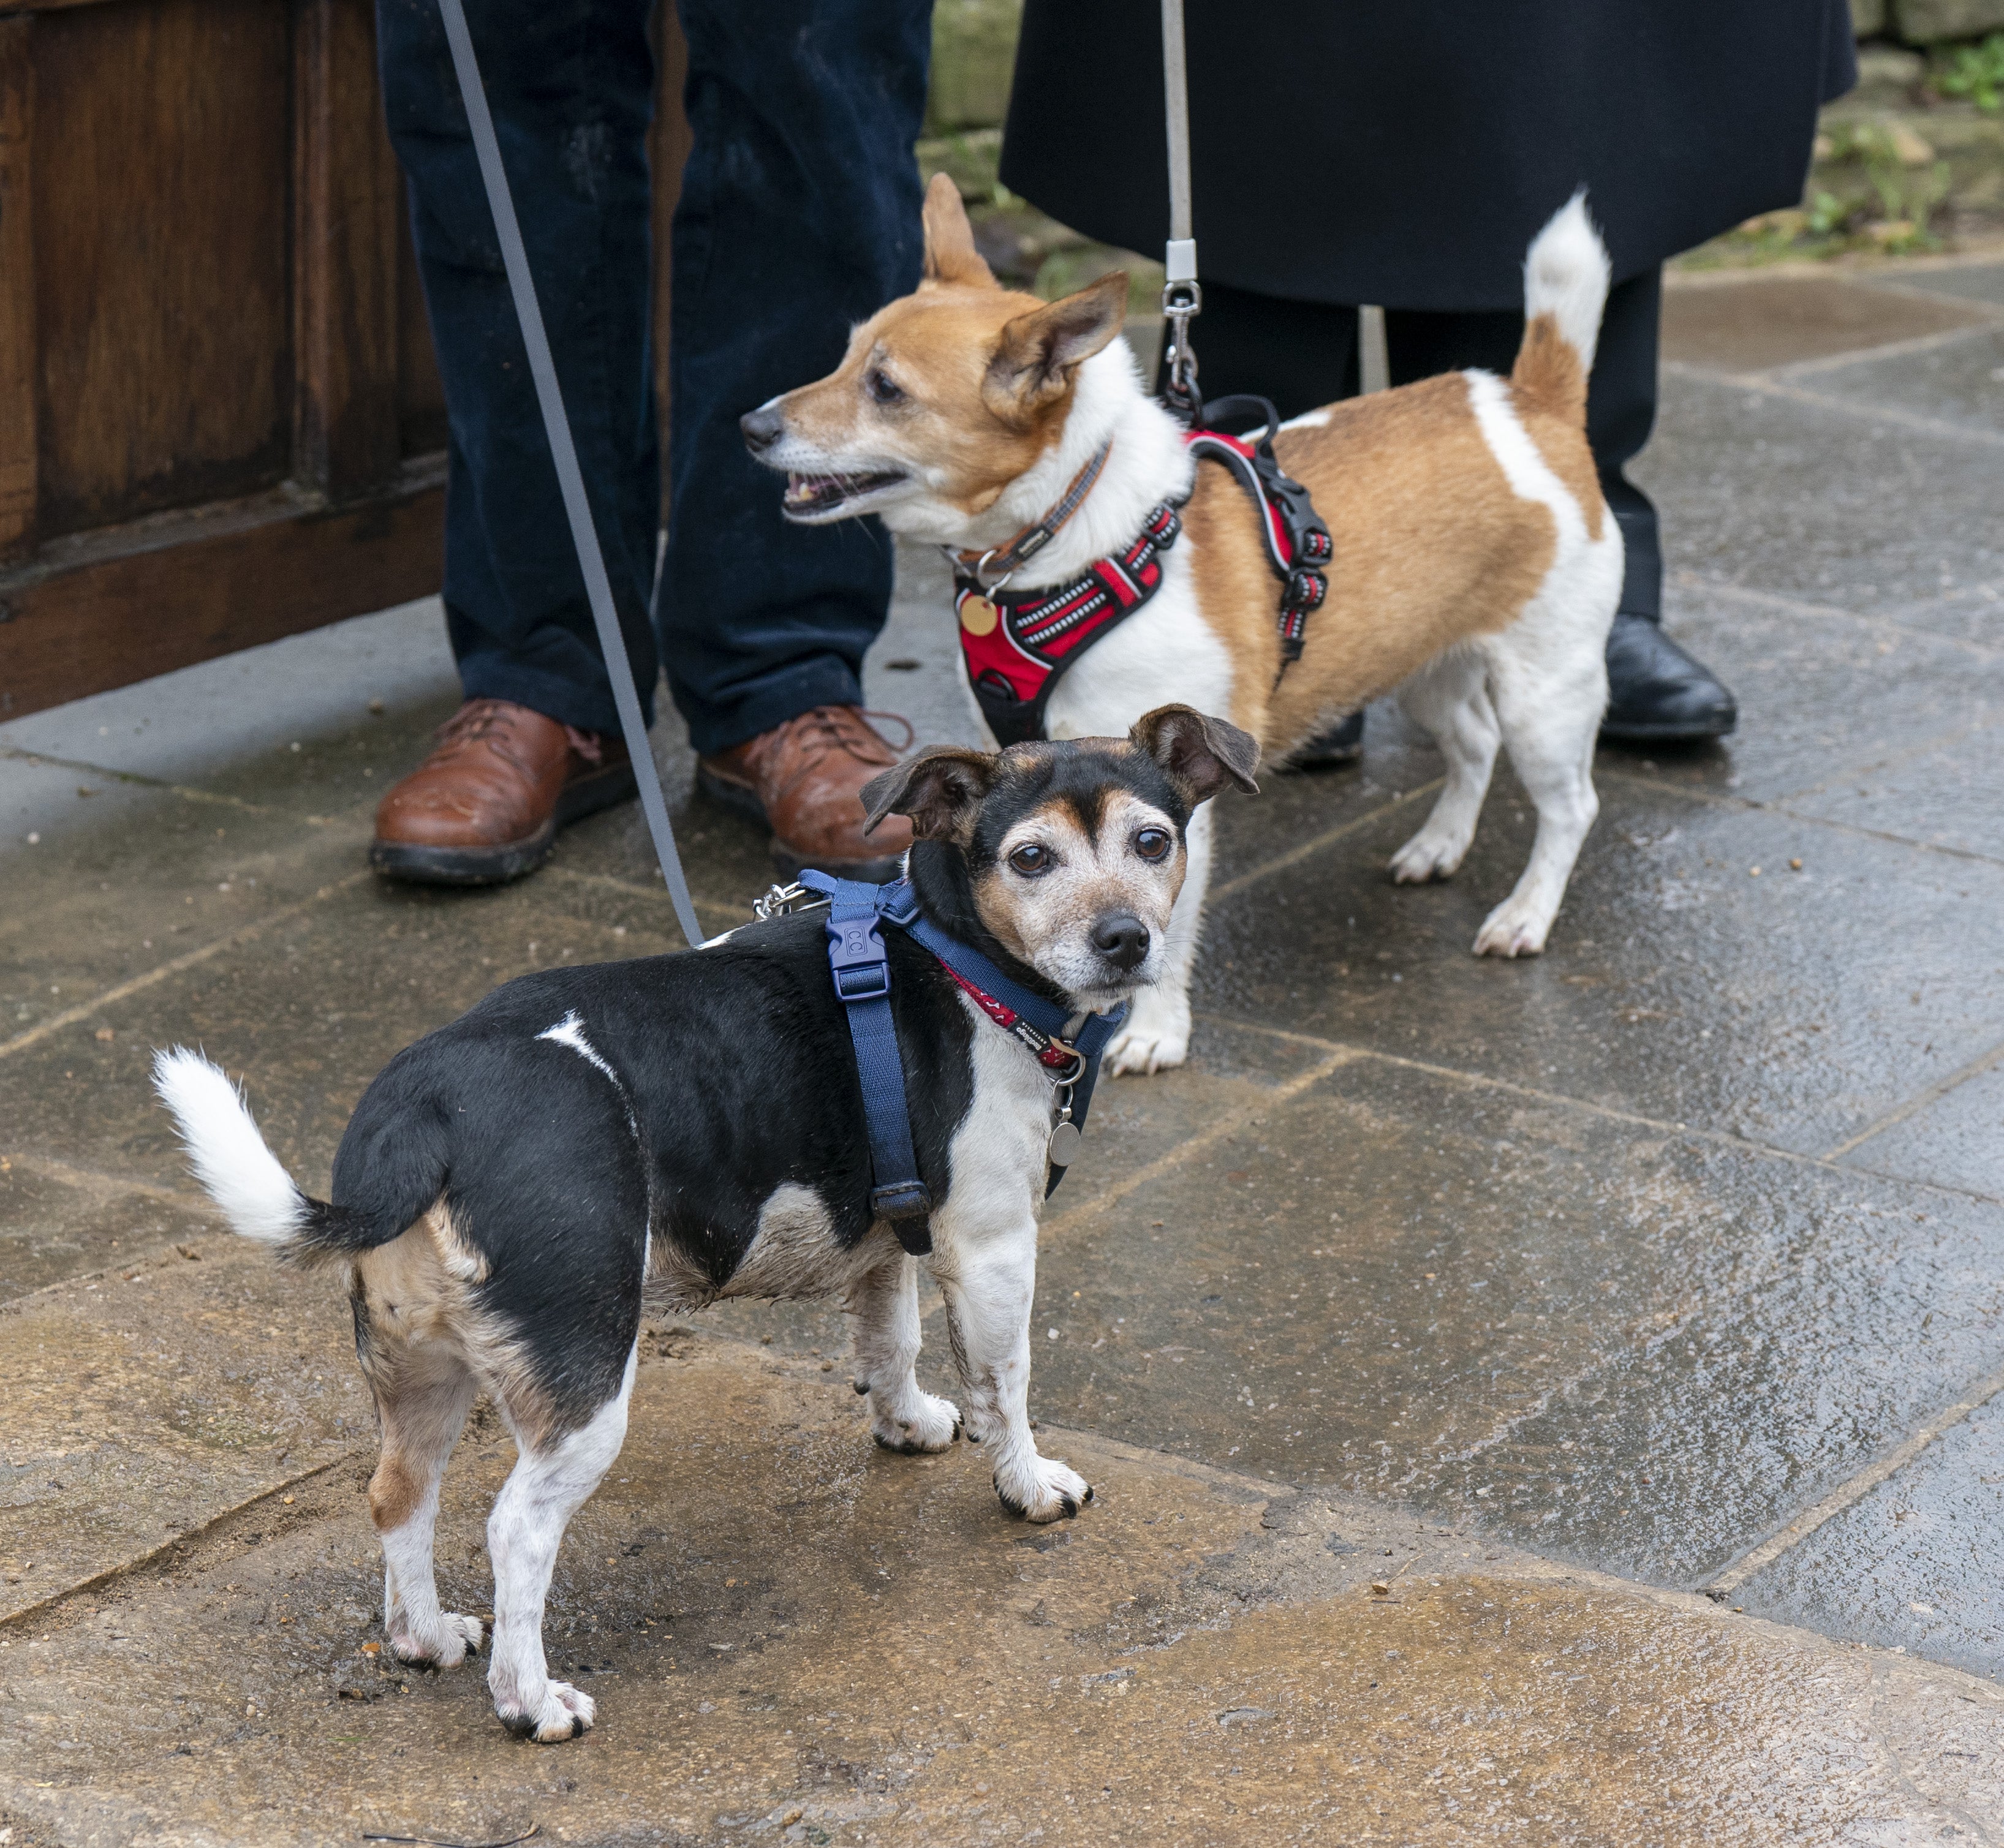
x,y
1065,1143
977,615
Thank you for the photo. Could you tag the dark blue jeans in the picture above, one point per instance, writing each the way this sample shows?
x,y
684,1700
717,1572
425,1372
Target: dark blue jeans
x,y
799,215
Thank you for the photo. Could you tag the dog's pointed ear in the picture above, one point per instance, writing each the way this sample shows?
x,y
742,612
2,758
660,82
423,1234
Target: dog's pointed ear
x,y
1200,754
1038,350
939,790
951,256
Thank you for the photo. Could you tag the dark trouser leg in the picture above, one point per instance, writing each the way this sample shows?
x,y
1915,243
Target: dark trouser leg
x,y
1656,692
1621,399
1300,354
570,83
799,216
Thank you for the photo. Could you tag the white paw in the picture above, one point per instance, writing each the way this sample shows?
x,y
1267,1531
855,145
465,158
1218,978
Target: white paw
x,y
1427,856
1043,1490
1155,1037
1513,929
562,1713
920,1423
458,1638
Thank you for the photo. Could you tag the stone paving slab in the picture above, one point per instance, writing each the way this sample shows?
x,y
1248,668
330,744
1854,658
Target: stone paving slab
x,y
1195,1660
1677,985
1970,283
1638,1350
1954,1140
1958,378
146,1401
1911,1565
1771,488
1748,326
1830,699
1970,613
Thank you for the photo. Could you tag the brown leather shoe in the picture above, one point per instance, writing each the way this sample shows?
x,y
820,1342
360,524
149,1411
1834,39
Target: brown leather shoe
x,y
486,806
804,778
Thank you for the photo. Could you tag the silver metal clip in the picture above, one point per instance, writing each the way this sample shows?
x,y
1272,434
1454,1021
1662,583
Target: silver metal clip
x,y
1065,1138
779,902
1181,302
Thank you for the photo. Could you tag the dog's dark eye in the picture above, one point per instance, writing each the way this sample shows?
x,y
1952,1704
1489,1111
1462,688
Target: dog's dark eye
x,y
1030,859
1152,843
881,388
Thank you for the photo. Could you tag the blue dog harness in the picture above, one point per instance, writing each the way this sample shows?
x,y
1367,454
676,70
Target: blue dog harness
x,y
862,971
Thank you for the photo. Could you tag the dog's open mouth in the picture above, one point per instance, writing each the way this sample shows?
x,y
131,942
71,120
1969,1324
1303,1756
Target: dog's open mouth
x,y
812,496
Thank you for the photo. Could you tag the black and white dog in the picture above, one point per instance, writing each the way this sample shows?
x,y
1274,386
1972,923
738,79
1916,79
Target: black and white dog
x,y
694,1126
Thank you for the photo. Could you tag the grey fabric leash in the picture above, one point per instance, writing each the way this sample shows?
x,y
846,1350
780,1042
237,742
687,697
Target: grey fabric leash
x,y
563,453
1182,297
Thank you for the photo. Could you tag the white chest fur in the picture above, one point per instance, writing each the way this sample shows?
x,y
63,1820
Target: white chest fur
x,y
997,1152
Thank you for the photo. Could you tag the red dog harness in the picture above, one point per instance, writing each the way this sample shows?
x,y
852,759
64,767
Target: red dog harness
x,y
1017,644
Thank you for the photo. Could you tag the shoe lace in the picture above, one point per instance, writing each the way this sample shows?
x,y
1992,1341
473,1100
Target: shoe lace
x,y
478,718
849,730
474,719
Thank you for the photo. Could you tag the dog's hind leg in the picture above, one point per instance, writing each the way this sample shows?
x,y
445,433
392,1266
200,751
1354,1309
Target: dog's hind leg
x,y
421,1396
550,1483
1156,1035
1450,698
885,1303
988,1299
1549,700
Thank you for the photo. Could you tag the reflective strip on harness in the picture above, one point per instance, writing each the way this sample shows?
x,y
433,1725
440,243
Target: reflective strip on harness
x,y
1016,645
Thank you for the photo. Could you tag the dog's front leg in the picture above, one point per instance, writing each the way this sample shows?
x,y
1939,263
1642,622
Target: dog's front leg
x,y
988,1299
1157,1034
885,1303
549,1483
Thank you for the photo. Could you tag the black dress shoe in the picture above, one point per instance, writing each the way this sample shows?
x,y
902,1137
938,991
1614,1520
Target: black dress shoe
x,y
1656,693
1343,742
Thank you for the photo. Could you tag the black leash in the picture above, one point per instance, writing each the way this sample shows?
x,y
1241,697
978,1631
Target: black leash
x,y
570,478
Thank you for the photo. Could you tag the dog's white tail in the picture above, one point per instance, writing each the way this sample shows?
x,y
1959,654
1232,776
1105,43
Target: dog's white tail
x,y
228,1156
1565,289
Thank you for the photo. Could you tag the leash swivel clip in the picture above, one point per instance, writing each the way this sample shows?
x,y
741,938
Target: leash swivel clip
x,y
1181,301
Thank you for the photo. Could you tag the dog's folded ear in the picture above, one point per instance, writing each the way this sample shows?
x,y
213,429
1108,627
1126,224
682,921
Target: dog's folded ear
x,y
1200,754
951,256
939,790
1034,363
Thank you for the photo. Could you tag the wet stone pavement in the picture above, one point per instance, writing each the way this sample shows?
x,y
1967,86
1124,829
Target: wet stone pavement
x,y
1551,1402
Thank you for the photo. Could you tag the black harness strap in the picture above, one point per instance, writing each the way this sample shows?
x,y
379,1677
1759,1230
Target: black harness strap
x,y
1298,547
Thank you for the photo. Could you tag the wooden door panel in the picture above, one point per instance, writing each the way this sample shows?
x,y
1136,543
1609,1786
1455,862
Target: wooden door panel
x,y
160,180
221,420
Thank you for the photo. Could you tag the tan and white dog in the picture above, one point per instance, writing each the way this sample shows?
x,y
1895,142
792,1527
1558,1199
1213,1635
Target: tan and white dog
x,y
1476,573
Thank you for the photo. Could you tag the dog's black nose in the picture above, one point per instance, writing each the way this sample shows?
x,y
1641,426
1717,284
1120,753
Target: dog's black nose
x,y
761,427
1122,938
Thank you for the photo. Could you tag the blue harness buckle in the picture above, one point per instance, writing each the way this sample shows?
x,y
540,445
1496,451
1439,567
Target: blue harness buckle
x,y
855,953
861,967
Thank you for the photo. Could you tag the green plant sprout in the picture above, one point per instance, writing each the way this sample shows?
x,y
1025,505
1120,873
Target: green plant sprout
x,y
1976,74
